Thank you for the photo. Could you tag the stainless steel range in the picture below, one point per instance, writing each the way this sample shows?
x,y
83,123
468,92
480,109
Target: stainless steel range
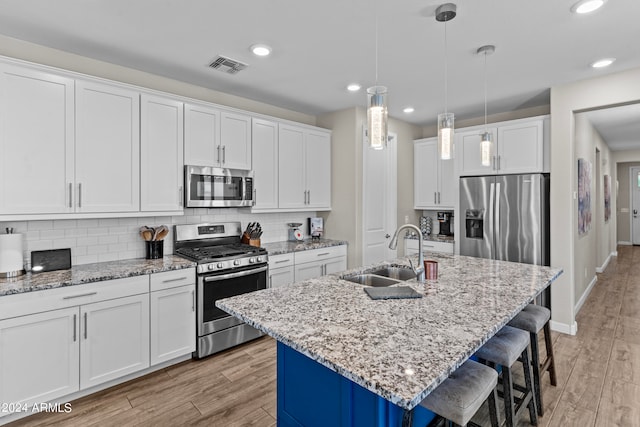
x,y
226,267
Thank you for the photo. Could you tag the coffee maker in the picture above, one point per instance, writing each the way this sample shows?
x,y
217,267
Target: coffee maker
x,y
446,223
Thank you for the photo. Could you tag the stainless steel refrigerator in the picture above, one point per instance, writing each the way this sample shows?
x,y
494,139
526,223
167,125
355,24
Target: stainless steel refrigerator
x,y
505,217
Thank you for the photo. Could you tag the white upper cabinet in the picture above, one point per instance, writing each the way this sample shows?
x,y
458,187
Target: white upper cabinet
x,y
434,183
468,150
107,148
201,135
518,147
318,169
291,184
235,140
304,158
36,142
265,163
216,138
161,154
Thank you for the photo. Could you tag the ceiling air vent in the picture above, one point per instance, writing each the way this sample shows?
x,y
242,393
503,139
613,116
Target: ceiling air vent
x,y
227,65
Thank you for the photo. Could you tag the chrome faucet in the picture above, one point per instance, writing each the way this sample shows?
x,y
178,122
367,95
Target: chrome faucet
x,y
394,244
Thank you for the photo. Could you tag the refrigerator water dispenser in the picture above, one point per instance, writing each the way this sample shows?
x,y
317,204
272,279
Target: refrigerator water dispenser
x,y
474,223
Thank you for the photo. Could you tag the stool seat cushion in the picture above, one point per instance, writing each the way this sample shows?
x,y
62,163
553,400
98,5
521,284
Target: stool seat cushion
x,y
460,396
532,318
505,346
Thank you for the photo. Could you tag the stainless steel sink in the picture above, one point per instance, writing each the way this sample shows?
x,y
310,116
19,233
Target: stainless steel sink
x,y
371,280
399,273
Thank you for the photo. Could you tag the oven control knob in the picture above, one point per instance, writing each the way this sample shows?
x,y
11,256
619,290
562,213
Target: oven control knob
x,y
259,259
210,267
220,265
252,260
236,262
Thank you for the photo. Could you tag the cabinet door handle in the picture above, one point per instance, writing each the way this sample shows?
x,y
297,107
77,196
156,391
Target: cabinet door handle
x,y
79,194
324,253
85,325
281,261
70,195
88,294
218,153
309,193
270,282
498,163
224,154
180,196
493,163
75,321
255,196
438,197
174,280
435,198
193,300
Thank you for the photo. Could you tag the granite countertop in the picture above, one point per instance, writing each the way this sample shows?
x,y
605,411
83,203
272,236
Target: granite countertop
x,y
279,248
432,238
88,273
399,349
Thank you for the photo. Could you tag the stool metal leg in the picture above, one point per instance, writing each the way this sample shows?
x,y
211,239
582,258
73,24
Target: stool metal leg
x,y
535,355
507,390
533,416
549,363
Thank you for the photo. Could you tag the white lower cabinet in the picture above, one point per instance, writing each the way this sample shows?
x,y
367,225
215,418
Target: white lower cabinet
x,y
411,246
320,262
173,314
115,339
281,277
39,357
60,341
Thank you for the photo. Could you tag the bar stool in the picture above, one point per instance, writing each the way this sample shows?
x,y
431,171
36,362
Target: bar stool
x,y
460,396
506,347
533,318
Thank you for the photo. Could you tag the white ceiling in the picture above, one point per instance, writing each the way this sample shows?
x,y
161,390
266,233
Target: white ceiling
x,y
618,126
320,47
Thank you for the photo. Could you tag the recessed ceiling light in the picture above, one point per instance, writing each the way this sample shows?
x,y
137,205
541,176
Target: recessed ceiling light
x,y
587,6
601,63
260,49
409,110
353,87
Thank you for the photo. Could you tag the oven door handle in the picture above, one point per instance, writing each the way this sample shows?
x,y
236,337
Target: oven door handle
x,y
238,274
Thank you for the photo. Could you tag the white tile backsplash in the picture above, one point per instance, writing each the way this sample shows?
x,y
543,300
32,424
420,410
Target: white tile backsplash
x,y
110,239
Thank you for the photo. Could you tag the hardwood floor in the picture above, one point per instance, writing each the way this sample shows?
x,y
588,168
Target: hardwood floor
x,y
598,375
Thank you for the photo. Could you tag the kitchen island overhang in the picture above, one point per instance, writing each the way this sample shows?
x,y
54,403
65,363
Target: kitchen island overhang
x,y
398,349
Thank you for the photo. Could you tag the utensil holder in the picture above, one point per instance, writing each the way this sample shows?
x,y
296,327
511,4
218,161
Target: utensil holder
x,y
154,249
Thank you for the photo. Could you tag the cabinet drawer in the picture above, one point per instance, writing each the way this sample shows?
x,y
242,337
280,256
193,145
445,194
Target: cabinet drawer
x,y
69,296
430,246
320,254
279,261
172,279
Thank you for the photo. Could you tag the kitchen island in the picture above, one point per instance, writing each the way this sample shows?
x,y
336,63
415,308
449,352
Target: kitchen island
x,y
344,359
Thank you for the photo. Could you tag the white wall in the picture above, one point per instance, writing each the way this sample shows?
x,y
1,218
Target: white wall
x,y
593,248
599,92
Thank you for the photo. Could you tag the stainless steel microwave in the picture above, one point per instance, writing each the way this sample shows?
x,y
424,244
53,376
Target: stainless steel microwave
x,y
209,187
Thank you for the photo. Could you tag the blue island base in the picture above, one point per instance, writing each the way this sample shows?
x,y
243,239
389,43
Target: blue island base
x,y
312,395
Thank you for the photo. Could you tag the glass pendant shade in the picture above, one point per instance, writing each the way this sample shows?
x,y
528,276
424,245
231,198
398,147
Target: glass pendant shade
x,y
485,149
445,135
377,117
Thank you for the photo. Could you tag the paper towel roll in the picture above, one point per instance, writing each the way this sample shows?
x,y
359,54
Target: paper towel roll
x,y
11,262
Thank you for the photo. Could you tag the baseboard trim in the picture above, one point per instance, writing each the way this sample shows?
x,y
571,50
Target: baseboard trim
x,y
624,243
606,263
564,328
586,293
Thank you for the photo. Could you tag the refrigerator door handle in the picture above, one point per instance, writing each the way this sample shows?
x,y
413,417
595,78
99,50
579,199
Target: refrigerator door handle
x,y
492,195
497,215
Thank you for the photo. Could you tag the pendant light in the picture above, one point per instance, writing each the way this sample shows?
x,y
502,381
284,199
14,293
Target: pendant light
x,y
444,13
485,142
377,107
